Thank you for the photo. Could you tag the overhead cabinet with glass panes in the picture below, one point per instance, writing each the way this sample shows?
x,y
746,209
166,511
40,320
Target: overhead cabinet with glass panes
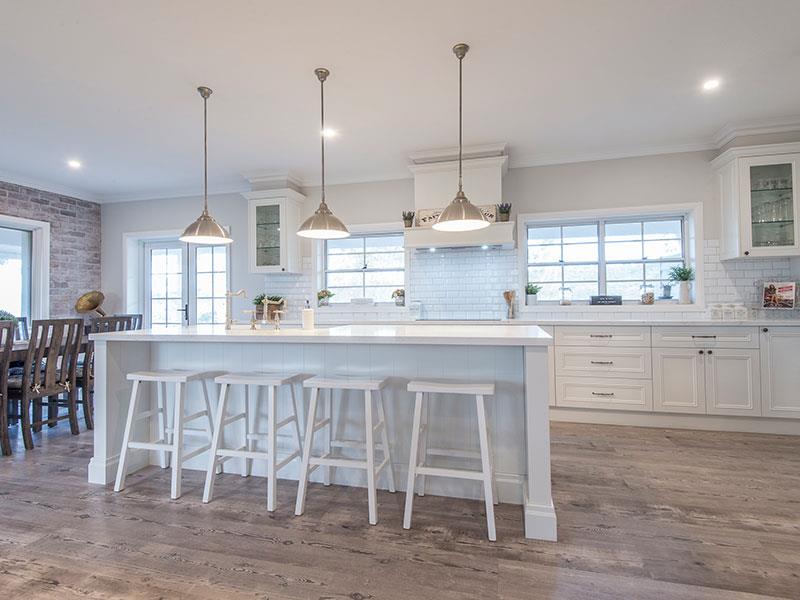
x,y
273,219
758,192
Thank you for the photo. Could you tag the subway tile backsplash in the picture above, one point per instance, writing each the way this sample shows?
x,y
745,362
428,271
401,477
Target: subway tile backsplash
x,y
468,283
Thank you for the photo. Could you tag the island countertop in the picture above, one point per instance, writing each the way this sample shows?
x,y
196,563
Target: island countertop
x,y
481,335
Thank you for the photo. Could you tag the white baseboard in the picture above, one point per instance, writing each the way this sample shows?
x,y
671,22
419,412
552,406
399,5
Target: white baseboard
x,y
540,521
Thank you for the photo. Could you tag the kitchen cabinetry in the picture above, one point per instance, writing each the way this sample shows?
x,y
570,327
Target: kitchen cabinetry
x,y
273,218
678,380
780,371
760,201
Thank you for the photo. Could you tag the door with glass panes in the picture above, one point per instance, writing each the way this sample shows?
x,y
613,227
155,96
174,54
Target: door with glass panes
x,y
184,284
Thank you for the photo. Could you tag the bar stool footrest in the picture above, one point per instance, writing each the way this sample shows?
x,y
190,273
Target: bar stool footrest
x,y
455,473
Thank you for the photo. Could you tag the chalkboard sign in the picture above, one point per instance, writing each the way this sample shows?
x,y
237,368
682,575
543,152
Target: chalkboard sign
x,y
606,300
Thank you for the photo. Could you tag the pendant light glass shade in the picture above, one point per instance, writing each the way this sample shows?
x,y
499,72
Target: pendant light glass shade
x,y
460,214
205,230
323,224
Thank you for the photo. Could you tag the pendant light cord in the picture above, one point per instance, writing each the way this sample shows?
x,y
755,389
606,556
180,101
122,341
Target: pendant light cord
x,y
322,131
205,154
460,61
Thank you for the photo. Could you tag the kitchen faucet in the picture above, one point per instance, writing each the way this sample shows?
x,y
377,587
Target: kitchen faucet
x,y
228,303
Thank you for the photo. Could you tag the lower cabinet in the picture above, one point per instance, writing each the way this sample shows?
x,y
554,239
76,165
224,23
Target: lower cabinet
x,y
722,381
617,394
780,371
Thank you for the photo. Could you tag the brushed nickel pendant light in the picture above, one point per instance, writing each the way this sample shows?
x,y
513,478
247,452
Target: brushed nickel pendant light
x,y
323,224
205,230
460,214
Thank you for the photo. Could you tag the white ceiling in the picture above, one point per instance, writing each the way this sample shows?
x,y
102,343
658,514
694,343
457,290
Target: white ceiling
x,y
113,83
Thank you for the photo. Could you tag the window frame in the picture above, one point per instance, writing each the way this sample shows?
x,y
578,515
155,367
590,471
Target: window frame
x,y
40,262
692,214
364,235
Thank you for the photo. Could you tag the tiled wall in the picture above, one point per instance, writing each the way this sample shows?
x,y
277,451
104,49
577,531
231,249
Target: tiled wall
x,y
74,240
468,283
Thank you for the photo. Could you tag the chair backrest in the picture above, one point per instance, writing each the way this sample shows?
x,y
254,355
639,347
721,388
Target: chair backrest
x,y
52,358
115,323
21,332
136,319
7,329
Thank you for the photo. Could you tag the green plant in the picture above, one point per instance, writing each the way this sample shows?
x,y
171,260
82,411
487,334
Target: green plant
x,y
259,299
275,299
408,215
325,294
681,273
398,293
532,289
7,316
504,207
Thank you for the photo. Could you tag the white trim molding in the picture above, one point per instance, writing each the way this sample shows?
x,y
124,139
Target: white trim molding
x,y
40,262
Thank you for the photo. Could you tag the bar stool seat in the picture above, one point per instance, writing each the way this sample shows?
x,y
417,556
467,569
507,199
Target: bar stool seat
x,y
370,386
247,451
171,434
417,466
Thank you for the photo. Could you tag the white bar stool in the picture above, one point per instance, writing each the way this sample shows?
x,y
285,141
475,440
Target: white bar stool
x,y
218,455
310,463
419,446
171,424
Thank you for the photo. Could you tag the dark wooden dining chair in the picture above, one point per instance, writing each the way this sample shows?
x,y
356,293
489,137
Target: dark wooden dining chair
x,y
86,364
136,319
50,371
7,329
21,333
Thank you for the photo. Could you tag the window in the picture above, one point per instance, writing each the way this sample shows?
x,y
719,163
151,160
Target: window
x,y
365,266
15,271
616,257
212,283
167,284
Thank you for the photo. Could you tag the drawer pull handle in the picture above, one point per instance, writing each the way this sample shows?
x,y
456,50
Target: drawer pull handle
x,y
704,337
600,335
605,394
602,362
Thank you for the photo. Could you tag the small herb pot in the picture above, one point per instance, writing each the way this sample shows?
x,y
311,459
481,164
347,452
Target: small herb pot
x,y
322,302
408,223
531,299
502,217
400,300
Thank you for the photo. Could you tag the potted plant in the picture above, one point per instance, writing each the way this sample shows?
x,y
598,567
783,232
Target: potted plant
x,y
503,212
258,302
408,218
323,297
684,275
7,316
399,296
532,294
274,304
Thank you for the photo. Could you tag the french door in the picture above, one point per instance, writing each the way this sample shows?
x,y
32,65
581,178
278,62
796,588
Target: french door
x,y
184,284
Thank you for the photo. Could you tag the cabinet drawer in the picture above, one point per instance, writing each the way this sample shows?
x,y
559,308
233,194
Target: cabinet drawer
x,y
614,394
575,335
575,361
705,337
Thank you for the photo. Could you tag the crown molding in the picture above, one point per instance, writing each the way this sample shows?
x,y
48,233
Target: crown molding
x,y
500,162
217,189
731,131
270,179
450,153
49,186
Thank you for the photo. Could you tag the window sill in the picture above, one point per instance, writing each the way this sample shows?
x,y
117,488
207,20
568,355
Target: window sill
x,y
579,307
350,307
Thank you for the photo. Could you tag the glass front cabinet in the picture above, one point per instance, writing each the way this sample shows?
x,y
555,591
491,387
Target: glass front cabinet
x,y
273,219
759,198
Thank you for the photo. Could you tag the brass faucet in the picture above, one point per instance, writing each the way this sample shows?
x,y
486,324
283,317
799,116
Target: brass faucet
x,y
228,303
276,319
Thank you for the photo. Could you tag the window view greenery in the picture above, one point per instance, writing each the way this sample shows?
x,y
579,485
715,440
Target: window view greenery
x,y
365,266
604,257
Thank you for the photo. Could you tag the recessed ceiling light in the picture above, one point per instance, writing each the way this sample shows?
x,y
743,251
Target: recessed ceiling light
x,y
74,164
710,84
329,132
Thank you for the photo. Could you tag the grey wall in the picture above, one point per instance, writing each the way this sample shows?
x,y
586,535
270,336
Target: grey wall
x,y
75,240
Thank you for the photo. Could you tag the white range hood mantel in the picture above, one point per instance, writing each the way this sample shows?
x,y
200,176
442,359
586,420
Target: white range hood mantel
x,y
497,234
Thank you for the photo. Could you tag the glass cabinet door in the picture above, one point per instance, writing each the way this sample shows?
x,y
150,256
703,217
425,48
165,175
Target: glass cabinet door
x,y
268,235
772,206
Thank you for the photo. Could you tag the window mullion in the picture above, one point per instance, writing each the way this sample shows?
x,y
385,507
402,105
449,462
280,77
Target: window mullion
x,y
601,257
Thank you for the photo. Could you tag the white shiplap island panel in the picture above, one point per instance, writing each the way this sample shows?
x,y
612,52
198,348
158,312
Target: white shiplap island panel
x,y
516,358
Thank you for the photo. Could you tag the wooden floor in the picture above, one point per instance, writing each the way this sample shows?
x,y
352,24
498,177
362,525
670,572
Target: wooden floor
x,y
642,514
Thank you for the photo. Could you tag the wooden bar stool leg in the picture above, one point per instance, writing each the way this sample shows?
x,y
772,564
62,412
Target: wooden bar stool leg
x,y
387,455
423,450
119,484
326,470
169,415
211,470
413,461
272,448
163,461
490,437
486,467
302,484
296,412
247,463
177,441
371,490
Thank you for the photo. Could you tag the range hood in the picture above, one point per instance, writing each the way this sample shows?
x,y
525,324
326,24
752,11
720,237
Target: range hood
x,y
435,182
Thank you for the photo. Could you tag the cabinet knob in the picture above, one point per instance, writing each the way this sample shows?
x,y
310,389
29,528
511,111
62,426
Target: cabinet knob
x,y
700,352
710,352
747,252
765,330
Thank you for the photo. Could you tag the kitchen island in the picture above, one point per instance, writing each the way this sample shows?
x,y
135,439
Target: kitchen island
x,y
518,359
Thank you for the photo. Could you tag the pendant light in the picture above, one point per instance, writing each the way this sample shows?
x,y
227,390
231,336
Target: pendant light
x,y
205,230
460,214
323,224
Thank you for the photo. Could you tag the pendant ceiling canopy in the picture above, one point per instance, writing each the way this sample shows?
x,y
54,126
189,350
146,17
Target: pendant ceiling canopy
x,y
460,214
205,230
323,224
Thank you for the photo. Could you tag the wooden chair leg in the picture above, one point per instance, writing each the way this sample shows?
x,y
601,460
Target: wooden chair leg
x,y
25,415
302,485
5,441
52,411
177,442
413,461
72,404
37,414
87,397
387,454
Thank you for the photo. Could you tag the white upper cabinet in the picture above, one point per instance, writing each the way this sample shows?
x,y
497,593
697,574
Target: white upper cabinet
x,y
759,199
273,217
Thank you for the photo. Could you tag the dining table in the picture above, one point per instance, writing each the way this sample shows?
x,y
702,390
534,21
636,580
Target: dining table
x,y
20,349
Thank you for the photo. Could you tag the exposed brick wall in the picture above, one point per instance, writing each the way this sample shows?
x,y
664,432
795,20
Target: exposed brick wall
x,y
74,240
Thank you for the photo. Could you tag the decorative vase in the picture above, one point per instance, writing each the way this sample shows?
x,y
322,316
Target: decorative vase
x,y
400,300
684,296
322,302
531,299
259,312
409,223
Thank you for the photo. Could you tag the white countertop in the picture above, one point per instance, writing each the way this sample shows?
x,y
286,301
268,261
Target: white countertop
x,y
664,322
494,334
